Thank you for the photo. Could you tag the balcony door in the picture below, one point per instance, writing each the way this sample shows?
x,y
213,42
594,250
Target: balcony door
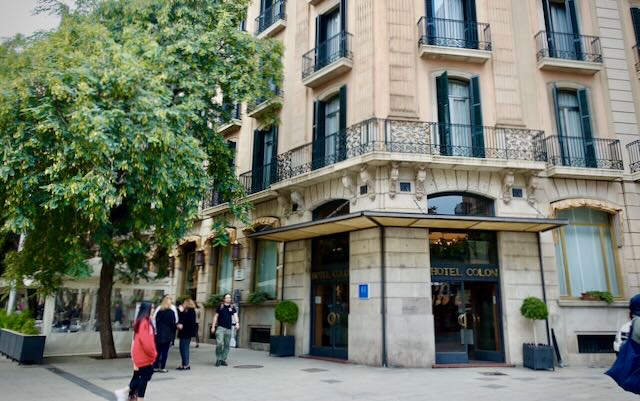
x,y
330,36
460,131
329,142
452,23
563,35
264,169
575,137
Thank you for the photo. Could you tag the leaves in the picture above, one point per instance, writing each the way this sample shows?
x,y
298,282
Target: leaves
x,y
107,129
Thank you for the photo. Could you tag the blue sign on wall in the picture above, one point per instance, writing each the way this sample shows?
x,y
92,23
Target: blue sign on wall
x,y
363,291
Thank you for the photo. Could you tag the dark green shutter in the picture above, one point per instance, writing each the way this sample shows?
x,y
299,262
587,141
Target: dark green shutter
x,y
430,26
470,24
318,150
257,165
562,136
477,129
341,146
274,157
587,129
635,19
232,149
343,15
573,14
444,118
546,8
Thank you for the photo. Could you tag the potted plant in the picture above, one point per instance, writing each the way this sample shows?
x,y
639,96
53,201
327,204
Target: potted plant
x,y
597,296
258,297
536,356
286,313
20,340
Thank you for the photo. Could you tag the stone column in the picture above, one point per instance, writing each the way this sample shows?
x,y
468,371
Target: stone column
x,y
47,316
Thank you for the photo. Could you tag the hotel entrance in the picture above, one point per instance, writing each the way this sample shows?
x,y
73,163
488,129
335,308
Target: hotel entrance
x,y
465,297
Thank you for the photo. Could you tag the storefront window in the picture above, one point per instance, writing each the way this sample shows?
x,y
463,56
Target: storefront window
x,y
73,310
585,253
471,247
225,270
460,204
266,263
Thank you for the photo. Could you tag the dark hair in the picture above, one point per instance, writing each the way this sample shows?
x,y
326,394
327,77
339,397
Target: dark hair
x,y
144,313
224,296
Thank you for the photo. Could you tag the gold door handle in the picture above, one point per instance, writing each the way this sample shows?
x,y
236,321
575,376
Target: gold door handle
x,y
462,320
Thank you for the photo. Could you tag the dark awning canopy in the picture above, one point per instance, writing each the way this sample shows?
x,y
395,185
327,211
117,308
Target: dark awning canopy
x,y
370,219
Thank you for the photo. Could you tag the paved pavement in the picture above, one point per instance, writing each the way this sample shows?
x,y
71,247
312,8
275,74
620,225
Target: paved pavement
x,y
254,376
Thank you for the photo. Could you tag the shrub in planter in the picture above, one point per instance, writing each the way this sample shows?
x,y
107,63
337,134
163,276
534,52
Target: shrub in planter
x,y
258,297
536,356
214,300
597,296
286,313
20,339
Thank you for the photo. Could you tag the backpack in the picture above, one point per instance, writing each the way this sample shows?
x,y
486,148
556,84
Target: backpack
x,y
626,369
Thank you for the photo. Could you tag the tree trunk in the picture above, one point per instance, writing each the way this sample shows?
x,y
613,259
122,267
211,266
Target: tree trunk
x,y
104,308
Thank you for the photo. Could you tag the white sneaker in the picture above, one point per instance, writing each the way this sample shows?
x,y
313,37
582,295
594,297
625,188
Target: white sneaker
x,y
122,394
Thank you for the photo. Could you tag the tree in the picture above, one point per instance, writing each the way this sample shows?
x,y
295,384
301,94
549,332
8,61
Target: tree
x,y
107,126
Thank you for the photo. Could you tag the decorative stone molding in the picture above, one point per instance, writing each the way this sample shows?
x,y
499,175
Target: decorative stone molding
x,y
367,179
284,205
297,199
394,176
421,178
350,187
507,184
533,183
191,238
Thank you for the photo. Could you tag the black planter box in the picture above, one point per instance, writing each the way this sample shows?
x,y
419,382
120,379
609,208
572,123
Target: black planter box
x,y
282,345
537,357
21,347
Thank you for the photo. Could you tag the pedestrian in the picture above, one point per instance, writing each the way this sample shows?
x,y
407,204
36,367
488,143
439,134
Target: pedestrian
x,y
186,330
626,369
165,324
143,354
197,325
225,317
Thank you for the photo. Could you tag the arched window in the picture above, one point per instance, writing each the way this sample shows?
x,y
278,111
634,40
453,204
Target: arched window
x,y
337,207
586,252
460,204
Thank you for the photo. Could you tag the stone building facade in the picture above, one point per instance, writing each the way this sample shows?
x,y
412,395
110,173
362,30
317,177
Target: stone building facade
x,y
436,163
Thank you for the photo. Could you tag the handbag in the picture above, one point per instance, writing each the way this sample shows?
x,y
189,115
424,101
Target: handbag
x,y
626,369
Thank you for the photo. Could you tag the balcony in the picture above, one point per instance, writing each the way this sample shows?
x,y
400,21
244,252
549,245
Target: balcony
x,y
212,199
568,52
230,121
634,159
272,20
636,55
576,157
259,179
262,105
454,40
329,59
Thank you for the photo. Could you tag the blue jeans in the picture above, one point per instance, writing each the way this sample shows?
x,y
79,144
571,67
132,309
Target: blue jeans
x,y
184,350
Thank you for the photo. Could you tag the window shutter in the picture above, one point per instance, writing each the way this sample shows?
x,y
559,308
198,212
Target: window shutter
x,y
256,167
561,134
587,129
477,130
431,32
232,149
635,19
317,150
573,14
343,15
342,125
546,8
274,156
444,128
470,24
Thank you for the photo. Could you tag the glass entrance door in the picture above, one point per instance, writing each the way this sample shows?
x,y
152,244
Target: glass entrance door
x,y
466,322
330,319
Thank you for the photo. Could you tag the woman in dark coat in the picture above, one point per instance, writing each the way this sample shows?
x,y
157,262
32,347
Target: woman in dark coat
x,y
165,323
186,330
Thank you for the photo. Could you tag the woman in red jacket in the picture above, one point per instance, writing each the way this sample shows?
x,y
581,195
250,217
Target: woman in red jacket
x,y
143,354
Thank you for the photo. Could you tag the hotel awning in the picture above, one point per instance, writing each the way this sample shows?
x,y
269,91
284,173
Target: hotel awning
x,y
370,219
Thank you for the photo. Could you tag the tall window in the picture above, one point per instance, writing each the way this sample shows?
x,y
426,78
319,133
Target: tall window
x,y
573,118
561,22
460,130
330,123
452,23
266,264
585,253
265,154
225,271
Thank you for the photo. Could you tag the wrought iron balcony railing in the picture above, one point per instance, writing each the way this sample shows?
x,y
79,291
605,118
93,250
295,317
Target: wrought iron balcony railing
x,y
260,178
271,15
454,33
573,151
327,53
634,156
636,55
251,106
212,198
229,112
568,46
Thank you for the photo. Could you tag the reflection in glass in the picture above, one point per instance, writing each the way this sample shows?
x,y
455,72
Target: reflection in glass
x,y
455,204
471,247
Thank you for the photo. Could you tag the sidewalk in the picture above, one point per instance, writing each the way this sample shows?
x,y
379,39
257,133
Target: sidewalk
x,y
254,376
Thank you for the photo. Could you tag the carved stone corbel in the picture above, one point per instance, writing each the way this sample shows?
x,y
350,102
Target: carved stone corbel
x,y
533,183
284,205
350,187
297,199
394,176
369,181
507,184
421,178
